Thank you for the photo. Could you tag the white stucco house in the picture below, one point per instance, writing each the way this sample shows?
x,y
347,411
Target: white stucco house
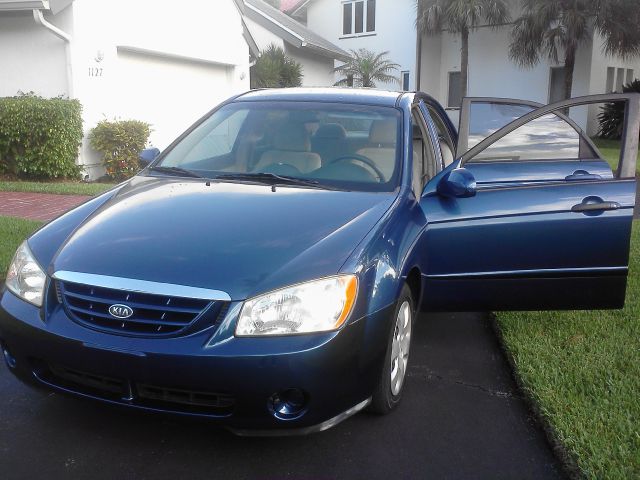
x,y
491,73
160,62
141,59
377,25
265,25
432,63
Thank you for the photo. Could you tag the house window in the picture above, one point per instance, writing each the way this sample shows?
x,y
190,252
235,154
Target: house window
x,y
619,80
454,99
406,77
556,85
629,75
611,76
358,17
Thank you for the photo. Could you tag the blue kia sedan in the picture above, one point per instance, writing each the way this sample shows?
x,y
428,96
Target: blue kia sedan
x,y
265,270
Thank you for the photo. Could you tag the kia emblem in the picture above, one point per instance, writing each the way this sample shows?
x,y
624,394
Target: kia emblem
x,y
120,311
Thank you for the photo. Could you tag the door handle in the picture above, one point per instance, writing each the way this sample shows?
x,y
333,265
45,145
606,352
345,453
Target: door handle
x,y
582,175
591,205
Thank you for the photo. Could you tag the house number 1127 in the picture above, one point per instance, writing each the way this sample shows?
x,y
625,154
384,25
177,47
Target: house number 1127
x,y
95,71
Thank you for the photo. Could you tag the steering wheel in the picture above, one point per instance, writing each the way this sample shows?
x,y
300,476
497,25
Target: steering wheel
x,y
361,158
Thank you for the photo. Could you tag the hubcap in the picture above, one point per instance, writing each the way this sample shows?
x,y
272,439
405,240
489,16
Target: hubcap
x,y
400,347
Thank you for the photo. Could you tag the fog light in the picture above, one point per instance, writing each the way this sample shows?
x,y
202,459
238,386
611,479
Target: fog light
x,y
288,404
8,358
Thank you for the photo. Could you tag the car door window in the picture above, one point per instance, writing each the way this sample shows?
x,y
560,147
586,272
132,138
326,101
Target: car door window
x,y
545,138
544,133
550,147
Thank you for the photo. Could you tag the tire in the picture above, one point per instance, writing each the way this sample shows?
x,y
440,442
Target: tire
x,y
388,393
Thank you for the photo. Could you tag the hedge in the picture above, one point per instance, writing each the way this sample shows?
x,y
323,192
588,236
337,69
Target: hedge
x,y
120,142
40,137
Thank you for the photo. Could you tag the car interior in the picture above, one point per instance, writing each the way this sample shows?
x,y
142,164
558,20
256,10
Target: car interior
x,y
355,147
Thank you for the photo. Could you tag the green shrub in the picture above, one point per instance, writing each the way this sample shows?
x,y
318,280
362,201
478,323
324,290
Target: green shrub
x,y
40,137
611,116
120,142
275,69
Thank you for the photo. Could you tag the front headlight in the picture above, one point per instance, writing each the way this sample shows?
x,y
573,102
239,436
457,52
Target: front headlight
x,y
318,306
25,277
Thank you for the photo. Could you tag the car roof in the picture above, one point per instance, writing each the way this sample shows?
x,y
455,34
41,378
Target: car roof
x,y
365,96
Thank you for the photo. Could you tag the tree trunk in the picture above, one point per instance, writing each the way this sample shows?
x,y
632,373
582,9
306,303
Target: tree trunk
x,y
464,61
569,65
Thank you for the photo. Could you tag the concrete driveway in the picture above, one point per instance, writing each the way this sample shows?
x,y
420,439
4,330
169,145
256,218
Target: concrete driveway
x,y
462,417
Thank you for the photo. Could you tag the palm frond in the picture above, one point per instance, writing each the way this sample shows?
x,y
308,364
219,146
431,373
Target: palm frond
x,y
366,68
456,16
618,22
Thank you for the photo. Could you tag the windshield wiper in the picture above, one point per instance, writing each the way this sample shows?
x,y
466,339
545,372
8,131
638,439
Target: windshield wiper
x,y
183,172
272,179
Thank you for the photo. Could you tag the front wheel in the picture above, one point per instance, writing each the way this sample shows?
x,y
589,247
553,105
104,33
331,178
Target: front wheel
x,y
389,391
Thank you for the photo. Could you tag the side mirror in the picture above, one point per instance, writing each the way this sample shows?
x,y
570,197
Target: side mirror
x,y
458,183
148,155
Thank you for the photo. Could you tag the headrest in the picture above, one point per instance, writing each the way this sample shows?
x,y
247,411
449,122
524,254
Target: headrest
x,y
331,130
384,132
292,137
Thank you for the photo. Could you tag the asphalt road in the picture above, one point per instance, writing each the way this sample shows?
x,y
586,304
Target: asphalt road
x,y
462,417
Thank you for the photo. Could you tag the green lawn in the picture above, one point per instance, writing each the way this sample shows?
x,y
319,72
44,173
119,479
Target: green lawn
x,y
610,149
12,232
583,370
67,188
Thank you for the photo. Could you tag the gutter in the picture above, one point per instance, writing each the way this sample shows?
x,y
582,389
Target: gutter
x,y
40,20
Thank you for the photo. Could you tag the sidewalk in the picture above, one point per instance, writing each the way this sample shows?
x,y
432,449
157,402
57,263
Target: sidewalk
x,y
37,206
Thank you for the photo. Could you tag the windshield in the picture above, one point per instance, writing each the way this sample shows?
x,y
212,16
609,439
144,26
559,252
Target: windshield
x,y
351,147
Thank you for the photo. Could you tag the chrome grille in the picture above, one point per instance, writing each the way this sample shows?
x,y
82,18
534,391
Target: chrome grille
x,y
152,314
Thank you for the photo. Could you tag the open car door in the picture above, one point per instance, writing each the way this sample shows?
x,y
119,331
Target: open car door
x,y
545,230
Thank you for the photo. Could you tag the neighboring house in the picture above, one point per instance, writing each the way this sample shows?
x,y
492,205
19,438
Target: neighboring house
x,y
164,63
377,25
381,25
491,73
265,25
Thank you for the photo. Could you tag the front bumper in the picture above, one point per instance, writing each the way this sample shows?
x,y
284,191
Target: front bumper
x,y
209,374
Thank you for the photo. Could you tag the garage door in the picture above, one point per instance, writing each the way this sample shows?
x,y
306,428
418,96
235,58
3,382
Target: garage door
x,y
168,93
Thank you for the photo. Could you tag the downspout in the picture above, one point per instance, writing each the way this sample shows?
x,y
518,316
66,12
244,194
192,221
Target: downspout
x,y
418,59
40,20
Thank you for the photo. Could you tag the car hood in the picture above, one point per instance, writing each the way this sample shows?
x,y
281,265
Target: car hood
x,y
242,239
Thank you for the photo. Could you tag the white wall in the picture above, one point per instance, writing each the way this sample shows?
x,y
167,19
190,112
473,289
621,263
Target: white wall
x,y
31,57
491,72
203,60
317,70
395,31
262,36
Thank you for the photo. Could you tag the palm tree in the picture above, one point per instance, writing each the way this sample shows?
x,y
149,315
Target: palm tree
x,y
366,68
461,17
274,69
558,27
611,115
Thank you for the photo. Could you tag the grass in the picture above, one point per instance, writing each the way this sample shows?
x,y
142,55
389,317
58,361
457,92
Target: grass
x,y
610,149
12,232
61,188
583,371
